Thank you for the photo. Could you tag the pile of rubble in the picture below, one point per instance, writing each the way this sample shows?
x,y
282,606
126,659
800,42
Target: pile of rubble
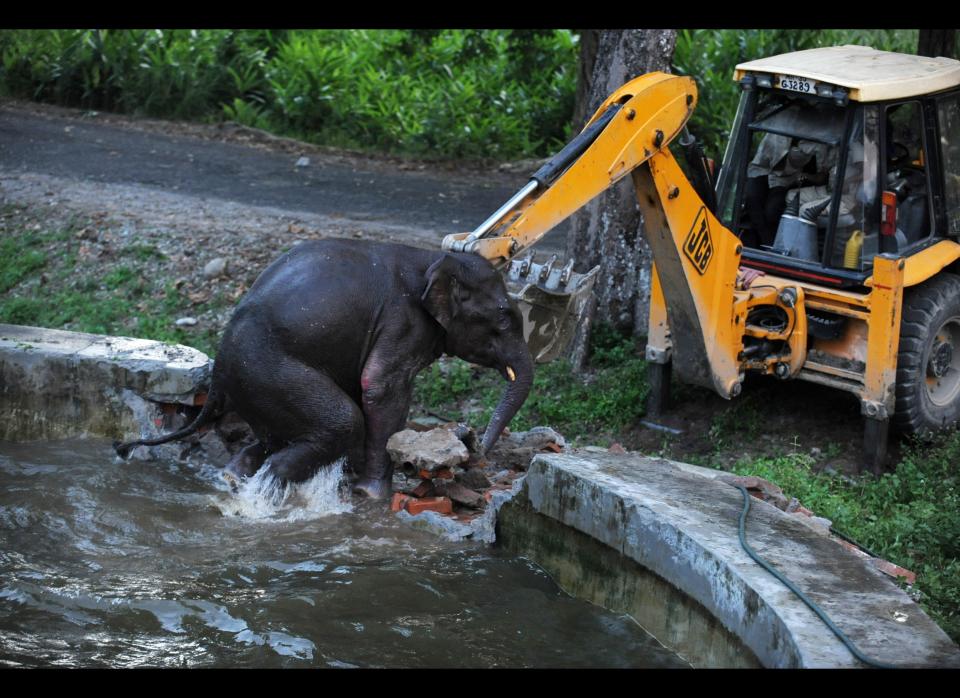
x,y
444,473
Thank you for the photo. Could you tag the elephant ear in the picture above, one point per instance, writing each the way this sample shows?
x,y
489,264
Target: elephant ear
x,y
441,297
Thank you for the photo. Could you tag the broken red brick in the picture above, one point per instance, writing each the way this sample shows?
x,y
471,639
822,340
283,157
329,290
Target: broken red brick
x,y
616,448
399,501
553,446
893,570
442,473
441,505
424,489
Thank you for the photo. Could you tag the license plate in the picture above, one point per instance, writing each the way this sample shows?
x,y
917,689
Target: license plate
x,y
790,82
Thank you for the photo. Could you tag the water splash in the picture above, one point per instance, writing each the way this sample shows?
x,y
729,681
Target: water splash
x,y
264,497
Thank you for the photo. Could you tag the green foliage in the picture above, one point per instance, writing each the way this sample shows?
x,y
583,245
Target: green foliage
x,y
910,516
460,93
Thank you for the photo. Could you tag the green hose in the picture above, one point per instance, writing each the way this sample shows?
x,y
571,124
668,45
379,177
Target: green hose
x,y
786,582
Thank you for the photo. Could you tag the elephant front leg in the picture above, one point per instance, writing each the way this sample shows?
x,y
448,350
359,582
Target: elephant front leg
x,y
386,404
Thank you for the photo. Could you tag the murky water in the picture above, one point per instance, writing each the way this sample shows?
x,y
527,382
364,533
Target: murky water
x,y
115,564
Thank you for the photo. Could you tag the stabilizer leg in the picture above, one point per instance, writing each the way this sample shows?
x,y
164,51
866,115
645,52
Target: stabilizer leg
x,y
658,401
875,434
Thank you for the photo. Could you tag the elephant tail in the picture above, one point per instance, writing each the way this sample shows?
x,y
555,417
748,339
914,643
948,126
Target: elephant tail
x,y
212,409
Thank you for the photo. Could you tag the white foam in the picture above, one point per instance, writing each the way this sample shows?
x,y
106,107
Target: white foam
x,y
264,497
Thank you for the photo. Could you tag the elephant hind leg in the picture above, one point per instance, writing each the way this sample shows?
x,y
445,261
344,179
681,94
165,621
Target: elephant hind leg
x,y
300,460
247,462
303,417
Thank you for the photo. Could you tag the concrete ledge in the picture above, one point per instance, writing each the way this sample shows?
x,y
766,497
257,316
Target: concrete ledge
x,y
683,528
55,384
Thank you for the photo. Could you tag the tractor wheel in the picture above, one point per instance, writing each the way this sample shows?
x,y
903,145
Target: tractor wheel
x,y
928,364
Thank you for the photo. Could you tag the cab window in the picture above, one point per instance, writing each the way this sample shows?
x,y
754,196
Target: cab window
x,y
905,183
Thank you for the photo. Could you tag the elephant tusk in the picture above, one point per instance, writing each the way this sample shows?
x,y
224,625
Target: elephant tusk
x,y
511,374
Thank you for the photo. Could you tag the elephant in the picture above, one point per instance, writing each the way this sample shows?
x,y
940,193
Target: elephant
x,y
320,355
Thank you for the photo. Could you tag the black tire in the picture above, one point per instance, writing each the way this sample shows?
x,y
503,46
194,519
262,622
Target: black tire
x,y
928,363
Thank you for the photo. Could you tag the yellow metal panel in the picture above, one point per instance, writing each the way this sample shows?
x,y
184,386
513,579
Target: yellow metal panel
x,y
697,262
883,337
926,263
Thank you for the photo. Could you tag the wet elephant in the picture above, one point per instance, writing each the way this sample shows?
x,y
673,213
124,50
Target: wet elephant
x,y
321,354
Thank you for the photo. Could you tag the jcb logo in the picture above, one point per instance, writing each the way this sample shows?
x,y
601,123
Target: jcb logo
x,y
698,246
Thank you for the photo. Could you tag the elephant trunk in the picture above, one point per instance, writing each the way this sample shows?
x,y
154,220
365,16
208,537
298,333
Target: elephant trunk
x,y
520,375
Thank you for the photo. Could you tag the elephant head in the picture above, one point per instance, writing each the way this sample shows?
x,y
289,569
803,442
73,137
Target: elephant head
x,y
482,325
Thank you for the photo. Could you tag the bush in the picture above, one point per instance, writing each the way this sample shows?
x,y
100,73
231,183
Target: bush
x,y
457,93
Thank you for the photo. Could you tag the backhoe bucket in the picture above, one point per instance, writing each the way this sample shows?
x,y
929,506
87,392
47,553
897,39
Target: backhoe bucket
x,y
552,301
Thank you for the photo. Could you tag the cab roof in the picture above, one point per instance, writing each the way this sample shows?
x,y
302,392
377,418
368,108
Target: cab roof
x,y
870,75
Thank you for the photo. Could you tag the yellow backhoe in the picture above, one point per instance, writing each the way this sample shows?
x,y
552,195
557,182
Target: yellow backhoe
x,y
825,249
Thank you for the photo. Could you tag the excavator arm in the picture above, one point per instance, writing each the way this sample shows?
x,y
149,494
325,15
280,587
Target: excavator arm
x,y
696,259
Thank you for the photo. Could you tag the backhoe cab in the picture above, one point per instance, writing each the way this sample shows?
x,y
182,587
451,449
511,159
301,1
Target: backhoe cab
x,y
840,183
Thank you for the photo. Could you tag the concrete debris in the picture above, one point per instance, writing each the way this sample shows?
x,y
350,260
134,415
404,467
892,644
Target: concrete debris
x,y
516,450
815,523
475,479
460,494
480,528
212,448
425,423
446,468
763,490
186,322
430,450
303,161
215,268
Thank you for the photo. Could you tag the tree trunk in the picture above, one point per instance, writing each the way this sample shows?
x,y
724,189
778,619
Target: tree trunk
x,y
607,231
937,42
589,39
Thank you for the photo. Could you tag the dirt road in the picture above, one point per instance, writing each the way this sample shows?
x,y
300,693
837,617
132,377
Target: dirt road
x,y
153,173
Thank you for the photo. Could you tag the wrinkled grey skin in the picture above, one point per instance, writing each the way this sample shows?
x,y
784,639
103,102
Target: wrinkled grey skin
x,y
320,356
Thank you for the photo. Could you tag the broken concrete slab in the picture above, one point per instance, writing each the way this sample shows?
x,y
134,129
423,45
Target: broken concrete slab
x,y
515,450
683,528
428,450
57,383
474,478
460,494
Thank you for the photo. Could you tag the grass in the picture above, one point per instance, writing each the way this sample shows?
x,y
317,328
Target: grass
x,y
46,282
